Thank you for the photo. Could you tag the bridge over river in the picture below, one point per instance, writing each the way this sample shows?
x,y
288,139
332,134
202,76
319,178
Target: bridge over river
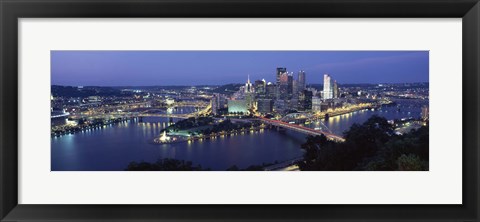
x,y
302,129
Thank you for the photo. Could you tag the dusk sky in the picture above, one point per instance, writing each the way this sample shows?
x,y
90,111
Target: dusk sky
x,y
147,68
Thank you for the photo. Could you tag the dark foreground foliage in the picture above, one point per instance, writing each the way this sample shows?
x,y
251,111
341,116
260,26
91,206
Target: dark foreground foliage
x,y
164,165
168,164
372,145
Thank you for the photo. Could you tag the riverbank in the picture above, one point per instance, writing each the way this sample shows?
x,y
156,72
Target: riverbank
x,y
341,111
180,139
58,131
112,148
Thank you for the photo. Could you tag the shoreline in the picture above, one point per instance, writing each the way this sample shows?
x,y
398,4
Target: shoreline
x,y
207,137
77,129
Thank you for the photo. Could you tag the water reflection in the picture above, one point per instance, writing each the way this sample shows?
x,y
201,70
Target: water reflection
x,y
404,108
113,147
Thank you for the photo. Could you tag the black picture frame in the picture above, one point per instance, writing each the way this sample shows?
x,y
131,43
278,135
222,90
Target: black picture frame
x,y
12,10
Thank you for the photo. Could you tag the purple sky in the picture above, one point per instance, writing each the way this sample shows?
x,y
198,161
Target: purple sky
x,y
146,68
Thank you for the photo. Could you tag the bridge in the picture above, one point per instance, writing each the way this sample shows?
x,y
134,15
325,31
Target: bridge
x,y
204,111
177,116
58,115
297,118
302,129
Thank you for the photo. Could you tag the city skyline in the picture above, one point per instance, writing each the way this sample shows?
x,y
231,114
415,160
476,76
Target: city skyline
x,y
278,119
141,68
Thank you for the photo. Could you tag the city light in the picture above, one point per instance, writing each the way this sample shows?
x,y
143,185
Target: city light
x,y
286,107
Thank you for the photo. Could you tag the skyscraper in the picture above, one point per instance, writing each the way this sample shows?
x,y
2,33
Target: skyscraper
x,y
327,87
279,73
290,84
249,94
307,100
301,81
270,90
260,86
336,93
296,91
302,97
282,86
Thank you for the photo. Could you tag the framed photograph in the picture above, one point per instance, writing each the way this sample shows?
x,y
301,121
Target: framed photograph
x,y
224,110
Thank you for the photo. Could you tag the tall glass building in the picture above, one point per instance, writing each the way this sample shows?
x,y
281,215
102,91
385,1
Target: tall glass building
x,y
327,87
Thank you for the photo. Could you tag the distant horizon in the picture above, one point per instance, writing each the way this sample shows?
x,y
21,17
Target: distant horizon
x,y
113,86
180,68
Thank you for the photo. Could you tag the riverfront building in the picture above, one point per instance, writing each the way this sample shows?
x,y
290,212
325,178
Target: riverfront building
x,y
316,104
237,106
336,93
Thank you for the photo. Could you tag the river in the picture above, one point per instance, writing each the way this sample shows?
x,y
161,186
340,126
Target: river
x,y
112,148
404,108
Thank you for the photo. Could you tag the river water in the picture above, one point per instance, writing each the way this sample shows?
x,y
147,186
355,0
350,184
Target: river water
x,y
404,108
111,148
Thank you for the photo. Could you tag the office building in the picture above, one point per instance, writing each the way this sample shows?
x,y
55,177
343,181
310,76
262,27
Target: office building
x,y
270,90
295,88
316,104
259,87
301,81
305,100
265,106
280,71
280,105
237,106
336,93
327,87
214,103
290,85
282,87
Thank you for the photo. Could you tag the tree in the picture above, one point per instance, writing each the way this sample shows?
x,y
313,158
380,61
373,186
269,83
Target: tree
x,y
311,157
369,136
166,164
416,142
368,146
410,162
